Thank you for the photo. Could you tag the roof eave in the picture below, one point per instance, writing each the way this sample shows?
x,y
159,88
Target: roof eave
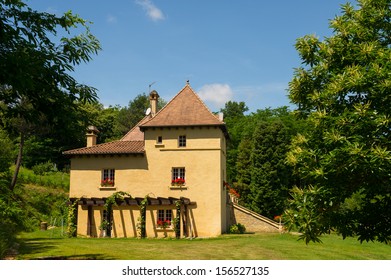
x,y
222,126
70,154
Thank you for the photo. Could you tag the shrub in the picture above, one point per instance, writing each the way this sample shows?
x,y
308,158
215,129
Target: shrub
x,y
11,219
42,168
237,229
54,179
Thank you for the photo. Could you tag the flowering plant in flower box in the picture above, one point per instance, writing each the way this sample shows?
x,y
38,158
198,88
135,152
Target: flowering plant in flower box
x,y
178,181
234,192
163,223
107,183
277,218
231,190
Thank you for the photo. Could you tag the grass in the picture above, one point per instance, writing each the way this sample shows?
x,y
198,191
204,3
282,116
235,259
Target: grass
x,y
51,245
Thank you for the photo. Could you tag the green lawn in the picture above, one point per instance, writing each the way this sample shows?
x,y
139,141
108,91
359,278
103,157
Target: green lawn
x,y
50,244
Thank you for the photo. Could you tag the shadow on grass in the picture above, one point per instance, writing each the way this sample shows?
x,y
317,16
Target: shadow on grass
x,y
30,248
35,246
74,257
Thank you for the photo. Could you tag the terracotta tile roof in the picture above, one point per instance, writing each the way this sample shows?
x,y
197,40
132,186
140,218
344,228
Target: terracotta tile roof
x,y
115,147
135,134
185,109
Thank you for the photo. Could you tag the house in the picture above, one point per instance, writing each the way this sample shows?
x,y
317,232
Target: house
x,y
171,165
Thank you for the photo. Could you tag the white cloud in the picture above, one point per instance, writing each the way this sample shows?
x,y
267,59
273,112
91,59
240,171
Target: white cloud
x,y
216,94
152,11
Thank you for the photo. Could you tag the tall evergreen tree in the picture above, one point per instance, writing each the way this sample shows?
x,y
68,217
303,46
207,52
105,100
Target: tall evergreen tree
x,y
243,170
270,175
235,120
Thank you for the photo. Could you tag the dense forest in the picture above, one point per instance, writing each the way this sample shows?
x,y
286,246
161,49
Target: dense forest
x,y
325,167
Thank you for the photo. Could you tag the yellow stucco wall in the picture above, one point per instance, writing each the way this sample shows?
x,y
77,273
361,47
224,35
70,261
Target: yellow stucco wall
x,y
204,161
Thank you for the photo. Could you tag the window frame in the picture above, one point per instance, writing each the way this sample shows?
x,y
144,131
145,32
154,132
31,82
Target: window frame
x,y
107,178
182,141
159,140
178,173
164,215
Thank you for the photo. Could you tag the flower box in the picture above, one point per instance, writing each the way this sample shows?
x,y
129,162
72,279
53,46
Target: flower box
x,y
163,224
178,182
107,183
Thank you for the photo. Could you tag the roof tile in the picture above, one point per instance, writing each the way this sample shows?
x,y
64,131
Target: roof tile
x,y
135,134
115,147
185,109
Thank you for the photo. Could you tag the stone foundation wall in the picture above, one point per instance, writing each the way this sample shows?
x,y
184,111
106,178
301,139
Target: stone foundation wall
x,y
251,220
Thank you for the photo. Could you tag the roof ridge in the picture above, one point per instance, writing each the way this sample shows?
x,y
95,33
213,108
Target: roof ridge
x,y
133,128
169,102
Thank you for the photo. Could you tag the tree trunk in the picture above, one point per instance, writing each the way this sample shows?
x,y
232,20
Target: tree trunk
x,y
18,162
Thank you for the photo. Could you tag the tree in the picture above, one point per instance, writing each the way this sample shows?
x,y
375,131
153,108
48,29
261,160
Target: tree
x,y
243,170
263,176
344,92
233,109
270,175
6,151
129,116
234,118
35,65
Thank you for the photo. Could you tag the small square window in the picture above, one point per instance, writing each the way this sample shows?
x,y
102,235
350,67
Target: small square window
x,y
164,218
182,141
108,177
178,176
159,140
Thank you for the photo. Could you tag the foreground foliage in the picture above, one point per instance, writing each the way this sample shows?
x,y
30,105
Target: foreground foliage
x,y
36,85
11,216
37,91
24,208
344,162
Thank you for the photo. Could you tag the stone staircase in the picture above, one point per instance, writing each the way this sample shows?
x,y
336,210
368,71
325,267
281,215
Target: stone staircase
x,y
253,221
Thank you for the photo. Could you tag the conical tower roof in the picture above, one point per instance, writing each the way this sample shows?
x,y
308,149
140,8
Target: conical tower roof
x,y
185,109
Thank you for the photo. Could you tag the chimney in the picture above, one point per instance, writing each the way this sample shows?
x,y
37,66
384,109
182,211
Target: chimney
x,y
153,98
92,134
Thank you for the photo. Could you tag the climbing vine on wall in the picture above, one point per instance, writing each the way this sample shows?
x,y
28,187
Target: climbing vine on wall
x,y
141,220
109,203
177,219
72,219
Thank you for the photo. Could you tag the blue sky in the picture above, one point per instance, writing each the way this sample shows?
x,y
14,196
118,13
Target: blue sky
x,y
239,50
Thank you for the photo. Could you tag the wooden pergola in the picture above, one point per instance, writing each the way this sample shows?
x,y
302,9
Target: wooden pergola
x,y
100,201
138,201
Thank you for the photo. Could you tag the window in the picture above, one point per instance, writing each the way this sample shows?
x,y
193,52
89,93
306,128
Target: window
x,y
182,141
178,176
164,218
108,176
159,140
